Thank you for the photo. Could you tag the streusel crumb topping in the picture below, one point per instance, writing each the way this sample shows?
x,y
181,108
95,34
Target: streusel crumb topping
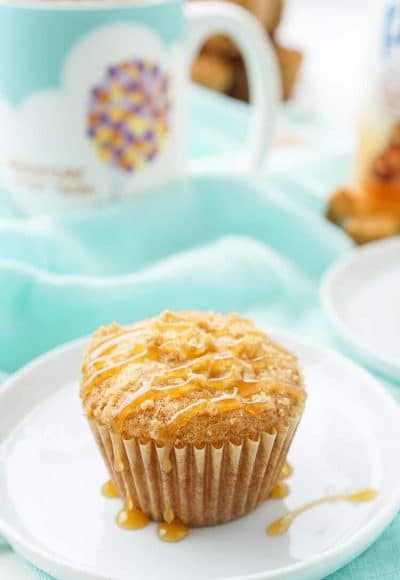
x,y
190,377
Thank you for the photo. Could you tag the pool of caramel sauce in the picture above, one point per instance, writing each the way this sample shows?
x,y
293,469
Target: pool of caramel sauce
x,y
173,530
282,524
131,518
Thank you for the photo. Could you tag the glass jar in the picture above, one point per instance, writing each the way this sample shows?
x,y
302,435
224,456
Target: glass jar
x,y
377,162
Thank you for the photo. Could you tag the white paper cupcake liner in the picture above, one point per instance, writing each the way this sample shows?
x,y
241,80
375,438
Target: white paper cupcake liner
x,y
199,485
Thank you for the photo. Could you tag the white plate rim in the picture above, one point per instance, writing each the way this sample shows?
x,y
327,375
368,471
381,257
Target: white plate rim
x,y
326,563
384,363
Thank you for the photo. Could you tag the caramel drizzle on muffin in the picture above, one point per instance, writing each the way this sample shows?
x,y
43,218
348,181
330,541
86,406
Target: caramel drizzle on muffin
x,y
235,366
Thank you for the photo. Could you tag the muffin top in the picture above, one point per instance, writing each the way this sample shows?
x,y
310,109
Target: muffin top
x,y
190,377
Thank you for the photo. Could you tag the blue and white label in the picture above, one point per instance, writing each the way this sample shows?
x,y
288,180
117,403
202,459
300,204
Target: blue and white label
x,y
391,31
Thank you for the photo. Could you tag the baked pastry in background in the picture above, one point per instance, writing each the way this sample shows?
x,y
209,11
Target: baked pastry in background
x,y
221,46
268,12
210,73
213,72
371,210
364,229
240,86
193,413
289,61
381,183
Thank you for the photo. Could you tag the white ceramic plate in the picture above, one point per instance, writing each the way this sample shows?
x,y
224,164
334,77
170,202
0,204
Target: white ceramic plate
x,y
52,512
361,296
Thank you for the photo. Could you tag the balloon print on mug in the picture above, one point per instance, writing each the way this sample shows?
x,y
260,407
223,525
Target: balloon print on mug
x,y
128,116
116,111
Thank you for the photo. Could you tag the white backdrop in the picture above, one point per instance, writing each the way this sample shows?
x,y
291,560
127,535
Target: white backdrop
x,y
333,35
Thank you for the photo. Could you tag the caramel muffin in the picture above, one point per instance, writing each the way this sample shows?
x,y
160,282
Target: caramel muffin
x,y
193,413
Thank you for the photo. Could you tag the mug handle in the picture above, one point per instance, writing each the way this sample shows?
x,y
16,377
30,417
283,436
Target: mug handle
x,y
207,18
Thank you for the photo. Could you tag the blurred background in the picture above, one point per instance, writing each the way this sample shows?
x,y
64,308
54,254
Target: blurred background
x,y
311,38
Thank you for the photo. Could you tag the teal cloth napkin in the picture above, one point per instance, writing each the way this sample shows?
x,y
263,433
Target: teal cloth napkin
x,y
258,246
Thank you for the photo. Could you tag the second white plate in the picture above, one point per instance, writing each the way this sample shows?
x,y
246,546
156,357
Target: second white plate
x,y
361,296
52,512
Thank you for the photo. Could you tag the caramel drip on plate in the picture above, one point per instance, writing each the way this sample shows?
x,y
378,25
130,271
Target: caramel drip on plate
x,y
109,490
133,519
171,530
281,488
130,517
174,531
287,471
169,515
281,525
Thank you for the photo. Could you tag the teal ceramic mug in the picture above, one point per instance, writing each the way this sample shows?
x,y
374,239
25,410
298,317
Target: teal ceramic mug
x,y
92,95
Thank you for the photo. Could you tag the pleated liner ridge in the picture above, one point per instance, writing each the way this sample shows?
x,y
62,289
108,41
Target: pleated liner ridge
x,y
202,485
